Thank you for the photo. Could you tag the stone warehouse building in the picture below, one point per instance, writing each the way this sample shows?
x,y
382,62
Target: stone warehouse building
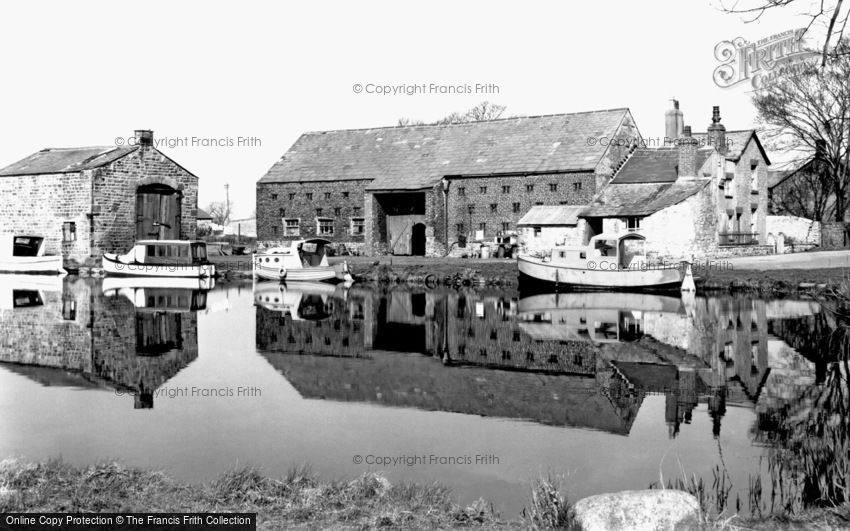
x,y
91,200
704,197
421,190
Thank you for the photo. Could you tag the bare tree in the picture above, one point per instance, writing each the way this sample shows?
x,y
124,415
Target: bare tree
x,y
481,112
831,14
220,212
810,113
807,194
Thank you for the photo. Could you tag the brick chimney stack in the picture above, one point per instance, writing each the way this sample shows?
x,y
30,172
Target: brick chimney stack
x,y
144,137
673,122
687,146
717,132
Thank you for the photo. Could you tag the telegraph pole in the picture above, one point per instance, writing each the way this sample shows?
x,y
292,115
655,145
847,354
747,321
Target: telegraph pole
x,y
227,202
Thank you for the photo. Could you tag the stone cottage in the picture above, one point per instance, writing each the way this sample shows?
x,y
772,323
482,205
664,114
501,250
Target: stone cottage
x,y
706,196
545,226
422,190
91,200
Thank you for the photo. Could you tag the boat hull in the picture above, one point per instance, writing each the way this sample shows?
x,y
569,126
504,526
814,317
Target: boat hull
x,y
112,266
32,264
569,278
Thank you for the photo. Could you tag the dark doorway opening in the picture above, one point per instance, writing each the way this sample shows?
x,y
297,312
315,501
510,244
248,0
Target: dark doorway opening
x,y
158,212
417,240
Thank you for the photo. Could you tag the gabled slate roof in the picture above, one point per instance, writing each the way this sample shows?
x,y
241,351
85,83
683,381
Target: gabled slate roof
x,y
658,165
417,157
642,199
66,160
552,215
737,142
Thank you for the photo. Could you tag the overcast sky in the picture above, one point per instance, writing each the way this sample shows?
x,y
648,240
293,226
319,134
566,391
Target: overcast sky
x,y
79,74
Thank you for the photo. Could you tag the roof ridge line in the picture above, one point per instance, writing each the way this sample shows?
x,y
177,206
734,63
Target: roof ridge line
x,y
465,123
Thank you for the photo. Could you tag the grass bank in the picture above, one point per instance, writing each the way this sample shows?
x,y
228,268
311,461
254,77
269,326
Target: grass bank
x,y
300,501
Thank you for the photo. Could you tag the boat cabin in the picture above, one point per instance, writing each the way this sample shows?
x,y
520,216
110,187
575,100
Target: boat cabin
x,y
299,255
169,252
22,245
606,251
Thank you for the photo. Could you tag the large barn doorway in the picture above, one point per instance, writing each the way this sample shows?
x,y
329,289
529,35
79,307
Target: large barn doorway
x,y
417,240
158,212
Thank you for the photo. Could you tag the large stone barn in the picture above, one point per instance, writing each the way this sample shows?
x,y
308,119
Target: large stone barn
x,y
91,200
422,190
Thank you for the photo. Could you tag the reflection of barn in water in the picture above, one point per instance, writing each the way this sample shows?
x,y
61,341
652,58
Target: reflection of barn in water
x,y
80,334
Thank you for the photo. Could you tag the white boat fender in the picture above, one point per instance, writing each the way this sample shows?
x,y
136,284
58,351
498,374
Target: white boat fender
x,y
688,282
282,272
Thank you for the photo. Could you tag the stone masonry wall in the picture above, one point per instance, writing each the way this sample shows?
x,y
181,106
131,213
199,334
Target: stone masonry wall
x,y
795,229
38,205
499,202
114,196
338,200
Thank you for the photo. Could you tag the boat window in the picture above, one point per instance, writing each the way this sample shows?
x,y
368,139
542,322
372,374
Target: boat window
x,y
277,259
605,248
184,252
26,246
562,254
151,250
199,252
582,255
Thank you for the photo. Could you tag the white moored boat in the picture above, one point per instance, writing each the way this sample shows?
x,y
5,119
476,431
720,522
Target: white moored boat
x,y
161,258
609,261
302,261
20,253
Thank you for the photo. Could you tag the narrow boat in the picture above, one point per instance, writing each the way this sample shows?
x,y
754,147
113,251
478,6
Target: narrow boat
x,y
20,253
608,261
161,258
302,261
115,284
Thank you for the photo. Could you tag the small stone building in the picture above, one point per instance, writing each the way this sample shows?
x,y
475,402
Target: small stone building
x,y
91,200
420,190
704,197
545,226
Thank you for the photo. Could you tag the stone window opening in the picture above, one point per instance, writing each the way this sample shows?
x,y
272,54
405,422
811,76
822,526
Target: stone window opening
x,y
318,212
494,207
69,309
337,211
69,231
292,227
325,226
506,189
292,196
562,203
282,212
516,207
327,195
345,195
482,226
309,196
553,187
633,224
506,225
538,203
471,208
483,189
356,211
358,226
754,178
274,197
577,187
461,191
460,228
274,230
529,187
537,231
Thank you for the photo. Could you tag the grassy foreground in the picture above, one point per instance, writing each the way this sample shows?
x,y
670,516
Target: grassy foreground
x,y
300,501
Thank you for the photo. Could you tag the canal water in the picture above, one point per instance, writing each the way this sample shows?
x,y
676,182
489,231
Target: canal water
x,y
741,400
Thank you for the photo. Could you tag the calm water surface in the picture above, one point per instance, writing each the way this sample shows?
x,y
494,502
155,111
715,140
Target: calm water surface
x,y
481,391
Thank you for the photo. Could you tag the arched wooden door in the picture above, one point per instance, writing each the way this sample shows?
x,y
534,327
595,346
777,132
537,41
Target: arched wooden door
x,y
158,212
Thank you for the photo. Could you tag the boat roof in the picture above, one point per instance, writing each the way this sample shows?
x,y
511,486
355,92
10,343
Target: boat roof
x,y
168,242
618,236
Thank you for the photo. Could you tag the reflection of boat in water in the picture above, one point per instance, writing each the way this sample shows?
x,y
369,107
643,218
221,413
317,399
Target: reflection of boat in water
x,y
595,316
609,261
302,261
302,300
23,291
21,253
160,294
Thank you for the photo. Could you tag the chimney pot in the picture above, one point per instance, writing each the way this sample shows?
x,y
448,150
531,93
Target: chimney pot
x,y
673,121
144,137
687,131
717,132
687,147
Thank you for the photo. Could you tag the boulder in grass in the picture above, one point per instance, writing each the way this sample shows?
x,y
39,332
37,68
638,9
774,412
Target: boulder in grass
x,y
638,510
